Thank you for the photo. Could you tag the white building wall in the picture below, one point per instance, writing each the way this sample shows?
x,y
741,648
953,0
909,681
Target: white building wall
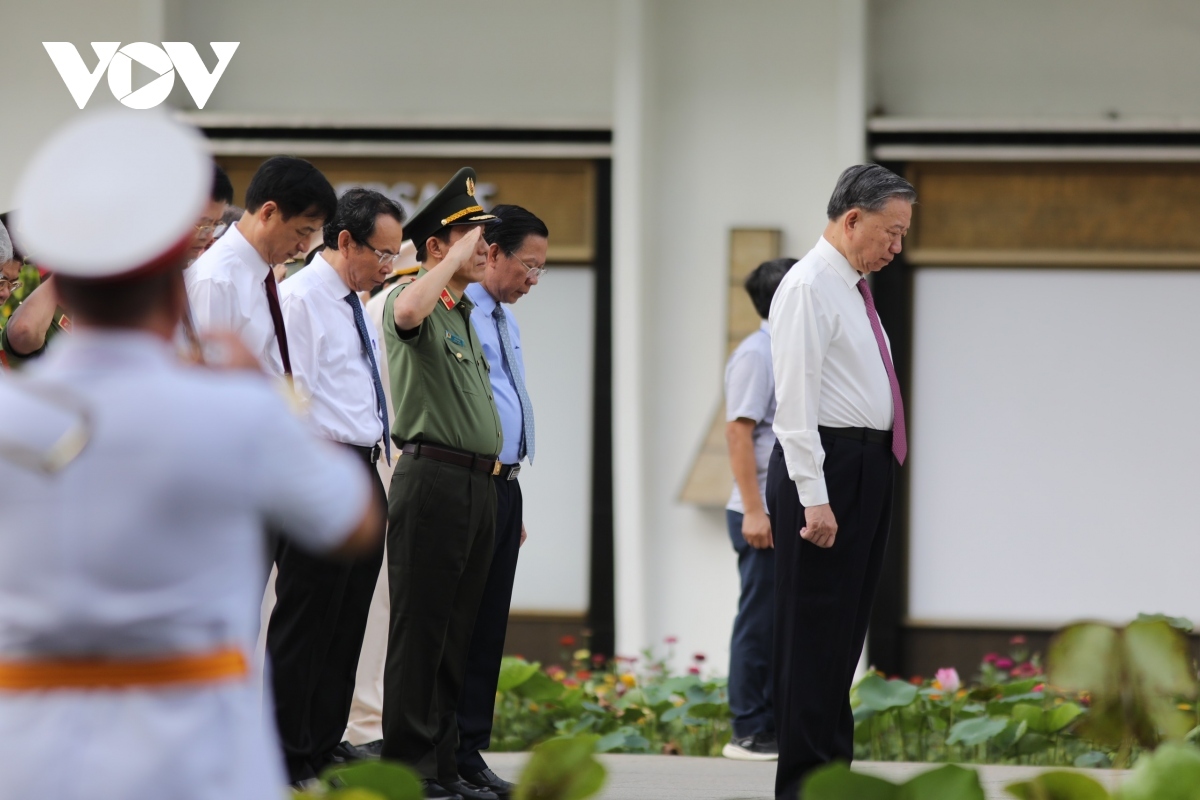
x,y
1084,59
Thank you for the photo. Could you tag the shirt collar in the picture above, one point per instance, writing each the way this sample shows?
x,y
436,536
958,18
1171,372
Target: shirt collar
x,y
329,276
838,261
243,249
481,298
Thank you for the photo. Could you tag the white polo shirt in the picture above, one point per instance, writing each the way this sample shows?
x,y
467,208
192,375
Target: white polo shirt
x,y
226,290
151,543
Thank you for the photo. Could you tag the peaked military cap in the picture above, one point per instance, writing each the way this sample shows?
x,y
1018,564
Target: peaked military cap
x,y
111,194
455,204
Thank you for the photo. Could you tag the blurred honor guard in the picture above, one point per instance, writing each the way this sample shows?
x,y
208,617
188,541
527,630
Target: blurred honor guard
x,y
316,629
442,502
231,285
516,259
839,419
130,578
749,412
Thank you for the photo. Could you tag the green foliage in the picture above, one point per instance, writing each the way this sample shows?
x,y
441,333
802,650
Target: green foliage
x,y
837,782
562,769
366,780
1140,679
1058,786
1170,773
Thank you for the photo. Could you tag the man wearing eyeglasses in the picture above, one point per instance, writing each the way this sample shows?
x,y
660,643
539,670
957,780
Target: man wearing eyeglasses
x,y
516,260
219,200
321,606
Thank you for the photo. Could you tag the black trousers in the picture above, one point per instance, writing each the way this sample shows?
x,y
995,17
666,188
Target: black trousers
x,y
477,704
441,526
313,639
823,599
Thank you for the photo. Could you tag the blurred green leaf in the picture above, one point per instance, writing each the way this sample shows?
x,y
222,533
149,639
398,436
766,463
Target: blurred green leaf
x,y
1170,773
836,782
561,769
388,779
1061,716
708,711
540,688
1011,734
513,672
1059,786
1085,657
945,783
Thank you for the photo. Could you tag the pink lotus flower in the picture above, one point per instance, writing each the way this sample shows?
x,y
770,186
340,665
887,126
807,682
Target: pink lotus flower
x,y
947,680
693,670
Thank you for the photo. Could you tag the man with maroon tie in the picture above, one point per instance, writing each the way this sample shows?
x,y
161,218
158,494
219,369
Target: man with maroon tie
x,y
840,427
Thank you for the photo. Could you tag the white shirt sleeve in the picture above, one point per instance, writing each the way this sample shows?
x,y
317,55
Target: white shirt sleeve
x,y
748,386
313,491
304,344
213,305
800,334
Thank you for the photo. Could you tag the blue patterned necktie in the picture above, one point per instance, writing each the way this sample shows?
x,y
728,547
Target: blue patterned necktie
x,y
510,356
369,354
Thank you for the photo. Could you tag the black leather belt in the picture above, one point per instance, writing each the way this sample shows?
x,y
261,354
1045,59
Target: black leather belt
x,y
859,434
451,455
509,472
371,454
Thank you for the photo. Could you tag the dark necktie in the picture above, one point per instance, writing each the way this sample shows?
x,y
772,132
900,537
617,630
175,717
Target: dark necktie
x,y
510,355
364,336
277,321
899,436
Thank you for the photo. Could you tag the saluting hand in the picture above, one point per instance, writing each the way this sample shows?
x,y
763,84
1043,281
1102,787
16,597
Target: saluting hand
x,y
820,527
464,251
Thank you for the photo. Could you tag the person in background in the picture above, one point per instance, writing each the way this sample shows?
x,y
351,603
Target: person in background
x,y
230,217
34,323
749,412
839,422
10,267
231,286
316,628
442,501
516,260
125,665
218,201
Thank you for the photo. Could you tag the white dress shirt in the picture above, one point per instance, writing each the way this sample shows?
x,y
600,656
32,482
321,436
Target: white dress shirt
x,y
225,287
828,370
330,371
150,543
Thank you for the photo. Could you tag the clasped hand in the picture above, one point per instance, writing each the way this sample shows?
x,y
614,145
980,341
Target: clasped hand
x,y
820,526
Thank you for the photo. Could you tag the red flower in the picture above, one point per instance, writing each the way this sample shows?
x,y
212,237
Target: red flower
x,y
583,675
1004,663
693,670
1017,640
916,680
567,641
991,658
1039,687
598,659
671,639
699,658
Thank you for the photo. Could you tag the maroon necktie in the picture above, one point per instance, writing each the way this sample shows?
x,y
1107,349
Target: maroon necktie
x,y
277,321
899,437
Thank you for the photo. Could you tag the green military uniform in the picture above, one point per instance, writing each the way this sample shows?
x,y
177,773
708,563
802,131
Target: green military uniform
x,y
15,360
441,508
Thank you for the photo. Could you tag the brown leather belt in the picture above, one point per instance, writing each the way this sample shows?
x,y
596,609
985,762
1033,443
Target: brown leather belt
x,y
450,455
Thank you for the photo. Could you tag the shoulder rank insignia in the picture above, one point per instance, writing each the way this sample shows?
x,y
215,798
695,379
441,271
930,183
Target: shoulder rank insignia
x,y
64,322
448,301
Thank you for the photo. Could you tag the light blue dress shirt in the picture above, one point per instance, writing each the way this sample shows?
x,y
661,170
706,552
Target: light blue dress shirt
x,y
504,390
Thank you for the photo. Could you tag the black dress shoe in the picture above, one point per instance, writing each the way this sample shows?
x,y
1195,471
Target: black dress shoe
x,y
435,791
486,779
469,791
346,753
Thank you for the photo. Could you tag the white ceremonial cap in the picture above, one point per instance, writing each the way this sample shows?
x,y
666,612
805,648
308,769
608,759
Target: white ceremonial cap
x,y
112,193
6,248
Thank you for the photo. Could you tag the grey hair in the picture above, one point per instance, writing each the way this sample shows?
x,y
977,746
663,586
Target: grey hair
x,y
867,187
6,246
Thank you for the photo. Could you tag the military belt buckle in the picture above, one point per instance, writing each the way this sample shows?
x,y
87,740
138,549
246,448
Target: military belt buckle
x,y
514,472
496,467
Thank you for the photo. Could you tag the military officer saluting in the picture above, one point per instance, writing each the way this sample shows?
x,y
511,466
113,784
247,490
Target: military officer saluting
x,y
442,504
130,577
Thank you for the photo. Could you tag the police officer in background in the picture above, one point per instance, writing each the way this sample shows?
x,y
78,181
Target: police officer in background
x,y
316,628
442,502
516,259
125,667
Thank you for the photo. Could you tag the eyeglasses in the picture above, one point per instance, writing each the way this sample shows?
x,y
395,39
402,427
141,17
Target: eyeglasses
x,y
385,259
12,285
219,229
204,230
533,273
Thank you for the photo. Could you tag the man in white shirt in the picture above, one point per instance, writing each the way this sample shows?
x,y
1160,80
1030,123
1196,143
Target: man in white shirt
x,y
749,412
288,200
128,615
840,424
316,629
